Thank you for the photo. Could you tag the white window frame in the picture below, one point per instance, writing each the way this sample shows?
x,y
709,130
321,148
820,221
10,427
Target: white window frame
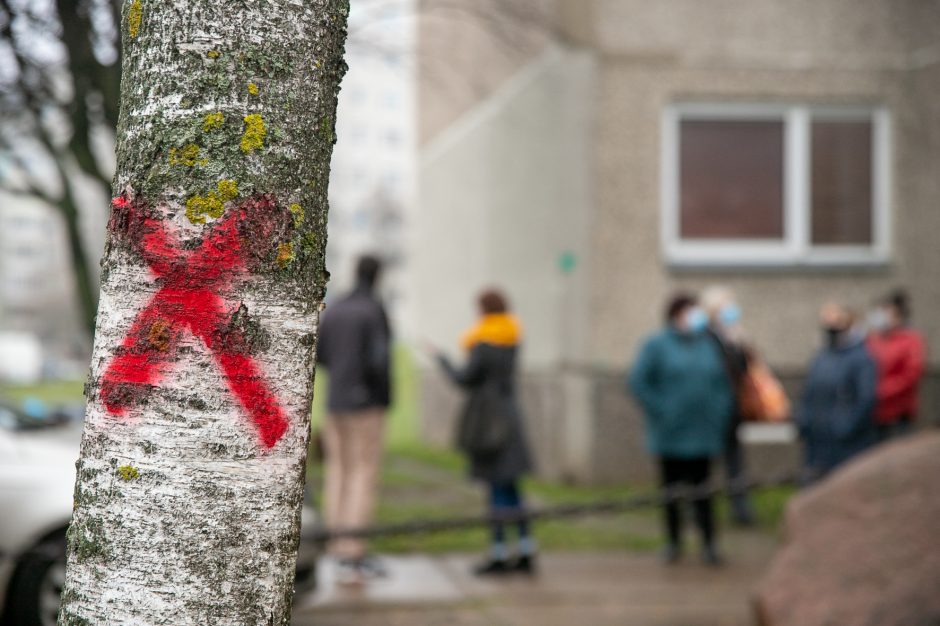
x,y
795,248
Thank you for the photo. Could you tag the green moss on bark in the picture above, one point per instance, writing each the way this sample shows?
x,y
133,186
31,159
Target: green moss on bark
x,y
87,540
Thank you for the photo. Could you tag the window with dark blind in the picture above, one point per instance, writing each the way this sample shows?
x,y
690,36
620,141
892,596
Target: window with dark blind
x,y
731,179
841,182
780,184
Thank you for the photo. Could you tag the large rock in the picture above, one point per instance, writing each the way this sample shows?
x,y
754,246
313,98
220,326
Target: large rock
x,y
863,547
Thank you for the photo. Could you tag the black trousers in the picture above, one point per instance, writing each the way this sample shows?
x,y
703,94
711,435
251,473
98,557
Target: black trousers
x,y
693,472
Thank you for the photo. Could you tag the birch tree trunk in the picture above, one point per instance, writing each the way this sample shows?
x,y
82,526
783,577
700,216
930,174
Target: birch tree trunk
x,y
190,481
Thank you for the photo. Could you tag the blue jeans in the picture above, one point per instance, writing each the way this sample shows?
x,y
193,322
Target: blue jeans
x,y
505,499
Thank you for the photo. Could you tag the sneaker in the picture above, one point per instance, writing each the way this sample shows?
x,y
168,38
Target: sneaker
x,y
371,568
493,567
348,573
525,564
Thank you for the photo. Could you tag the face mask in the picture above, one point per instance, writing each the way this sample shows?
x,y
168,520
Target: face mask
x,y
832,335
696,320
878,320
729,315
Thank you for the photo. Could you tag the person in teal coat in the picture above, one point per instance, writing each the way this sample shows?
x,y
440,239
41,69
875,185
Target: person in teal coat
x,y
680,380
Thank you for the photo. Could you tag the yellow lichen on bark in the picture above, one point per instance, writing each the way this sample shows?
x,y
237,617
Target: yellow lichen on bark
x,y
212,121
188,155
128,472
135,15
285,254
255,131
228,189
198,208
298,212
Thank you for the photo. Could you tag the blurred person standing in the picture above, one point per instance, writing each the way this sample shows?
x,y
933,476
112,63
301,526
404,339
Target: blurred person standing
x,y
355,347
900,355
680,380
835,417
724,316
491,431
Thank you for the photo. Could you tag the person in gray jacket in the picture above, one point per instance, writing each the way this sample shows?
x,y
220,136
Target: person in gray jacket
x,y
354,345
488,377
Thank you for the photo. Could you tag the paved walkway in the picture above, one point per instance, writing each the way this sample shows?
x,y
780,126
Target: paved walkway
x,y
572,589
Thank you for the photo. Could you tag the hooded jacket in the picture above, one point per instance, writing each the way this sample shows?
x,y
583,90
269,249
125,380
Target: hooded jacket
x,y
835,416
900,355
681,381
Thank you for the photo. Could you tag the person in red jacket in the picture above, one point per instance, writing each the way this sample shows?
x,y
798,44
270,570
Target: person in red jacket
x,y
900,354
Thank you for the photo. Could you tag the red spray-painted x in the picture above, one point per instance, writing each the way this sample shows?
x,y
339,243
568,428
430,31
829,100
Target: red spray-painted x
x,y
190,297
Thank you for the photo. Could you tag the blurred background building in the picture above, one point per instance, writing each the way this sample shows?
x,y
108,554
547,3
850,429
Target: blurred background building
x,y
32,280
372,177
787,150
591,156
37,298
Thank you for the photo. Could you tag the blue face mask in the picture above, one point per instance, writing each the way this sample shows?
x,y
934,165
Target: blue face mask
x,y
730,314
696,320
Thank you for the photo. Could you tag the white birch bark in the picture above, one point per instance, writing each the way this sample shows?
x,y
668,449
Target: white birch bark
x,y
184,515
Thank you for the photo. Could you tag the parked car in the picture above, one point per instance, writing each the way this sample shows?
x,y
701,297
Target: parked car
x,y
37,476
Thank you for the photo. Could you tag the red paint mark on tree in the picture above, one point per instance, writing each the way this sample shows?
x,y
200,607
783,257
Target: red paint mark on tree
x,y
191,297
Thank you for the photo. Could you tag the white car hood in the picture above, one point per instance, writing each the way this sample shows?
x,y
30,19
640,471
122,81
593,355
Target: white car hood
x,y
56,445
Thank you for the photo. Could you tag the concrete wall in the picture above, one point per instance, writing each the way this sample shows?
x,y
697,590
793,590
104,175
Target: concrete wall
x,y
468,49
503,194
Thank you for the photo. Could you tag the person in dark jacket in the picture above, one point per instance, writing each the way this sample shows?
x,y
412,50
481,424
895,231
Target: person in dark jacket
x,y
901,355
354,346
492,349
725,327
835,417
680,380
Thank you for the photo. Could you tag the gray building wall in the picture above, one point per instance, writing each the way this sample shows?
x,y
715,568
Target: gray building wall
x,y
645,56
503,194
832,51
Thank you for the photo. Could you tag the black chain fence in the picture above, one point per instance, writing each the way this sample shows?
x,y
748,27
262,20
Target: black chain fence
x,y
658,498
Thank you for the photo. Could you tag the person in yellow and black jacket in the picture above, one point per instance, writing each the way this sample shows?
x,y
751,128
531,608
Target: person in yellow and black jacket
x,y
491,430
